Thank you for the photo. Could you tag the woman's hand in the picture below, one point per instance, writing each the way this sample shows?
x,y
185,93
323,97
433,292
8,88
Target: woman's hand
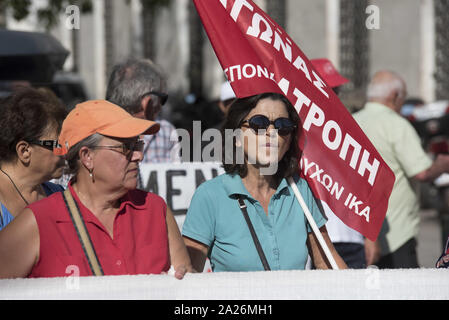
x,y
317,254
179,257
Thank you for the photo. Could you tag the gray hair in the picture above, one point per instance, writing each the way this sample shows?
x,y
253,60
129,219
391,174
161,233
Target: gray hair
x,y
381,89
73,157
130,80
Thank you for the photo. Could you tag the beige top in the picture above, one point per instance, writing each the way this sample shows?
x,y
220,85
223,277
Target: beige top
x,y
400,146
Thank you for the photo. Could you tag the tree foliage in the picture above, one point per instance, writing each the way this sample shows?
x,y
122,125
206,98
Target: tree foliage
x,y
49,15
20,8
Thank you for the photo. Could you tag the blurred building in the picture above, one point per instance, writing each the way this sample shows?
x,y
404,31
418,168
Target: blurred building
x,y
360,37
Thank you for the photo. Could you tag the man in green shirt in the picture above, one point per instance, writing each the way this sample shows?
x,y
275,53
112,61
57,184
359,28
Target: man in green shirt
x,y
400,146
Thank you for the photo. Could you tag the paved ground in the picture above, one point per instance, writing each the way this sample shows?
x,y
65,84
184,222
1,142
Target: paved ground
x,y
429,239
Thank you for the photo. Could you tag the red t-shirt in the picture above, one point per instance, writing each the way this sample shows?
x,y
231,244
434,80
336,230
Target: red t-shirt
x,y
139,245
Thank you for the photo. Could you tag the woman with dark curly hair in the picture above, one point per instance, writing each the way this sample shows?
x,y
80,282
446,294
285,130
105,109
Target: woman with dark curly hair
x,y
30,121
248,219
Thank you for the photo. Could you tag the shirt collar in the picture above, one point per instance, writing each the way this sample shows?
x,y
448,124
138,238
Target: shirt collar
x,y
132,199
234,186
378,106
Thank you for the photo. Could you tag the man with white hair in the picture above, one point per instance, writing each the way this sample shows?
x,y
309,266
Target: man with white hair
x,y
400,146
139,86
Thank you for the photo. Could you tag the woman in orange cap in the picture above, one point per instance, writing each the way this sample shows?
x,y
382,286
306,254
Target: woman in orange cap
x,y
101,225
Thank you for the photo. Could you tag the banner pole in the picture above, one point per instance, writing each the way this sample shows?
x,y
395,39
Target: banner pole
x,y
312,223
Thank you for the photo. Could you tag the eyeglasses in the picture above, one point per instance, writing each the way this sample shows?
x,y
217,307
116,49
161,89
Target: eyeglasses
x,y
126,147
163,97
47,144
284,126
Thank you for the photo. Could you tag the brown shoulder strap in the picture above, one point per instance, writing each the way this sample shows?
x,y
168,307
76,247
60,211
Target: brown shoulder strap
x,y
83,235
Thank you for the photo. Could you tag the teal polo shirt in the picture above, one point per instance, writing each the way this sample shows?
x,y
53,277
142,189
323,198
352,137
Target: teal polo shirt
x,y
215,219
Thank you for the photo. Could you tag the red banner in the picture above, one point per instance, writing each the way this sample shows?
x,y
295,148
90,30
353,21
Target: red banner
x,y
342,167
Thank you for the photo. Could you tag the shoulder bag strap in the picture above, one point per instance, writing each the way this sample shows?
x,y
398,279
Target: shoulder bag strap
x,y
83,235
265,264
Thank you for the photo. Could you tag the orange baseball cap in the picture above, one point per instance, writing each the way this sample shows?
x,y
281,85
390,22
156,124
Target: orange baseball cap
x,y
103,117
328,72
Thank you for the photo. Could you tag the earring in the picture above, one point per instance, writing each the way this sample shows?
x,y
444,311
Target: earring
x,y
91,175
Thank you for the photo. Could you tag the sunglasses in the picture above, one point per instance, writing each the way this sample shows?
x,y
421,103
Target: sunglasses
x,y
284,126
126,148
163,97
47,144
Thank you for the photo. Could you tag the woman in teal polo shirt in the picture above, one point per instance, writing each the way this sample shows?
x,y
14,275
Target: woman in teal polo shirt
x,y
263,131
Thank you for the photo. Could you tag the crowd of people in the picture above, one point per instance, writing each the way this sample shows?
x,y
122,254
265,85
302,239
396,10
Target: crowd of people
x,y
97,217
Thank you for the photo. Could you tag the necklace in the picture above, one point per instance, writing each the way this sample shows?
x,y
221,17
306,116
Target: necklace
x,y
17,189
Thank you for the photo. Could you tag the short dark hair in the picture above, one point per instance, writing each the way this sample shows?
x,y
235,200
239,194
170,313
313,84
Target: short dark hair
x,y
131,80
72,157
25,116
288,165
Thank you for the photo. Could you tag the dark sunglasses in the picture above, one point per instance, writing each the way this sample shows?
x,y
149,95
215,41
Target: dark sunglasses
x,y
126,147
47,144
284,126
163,97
